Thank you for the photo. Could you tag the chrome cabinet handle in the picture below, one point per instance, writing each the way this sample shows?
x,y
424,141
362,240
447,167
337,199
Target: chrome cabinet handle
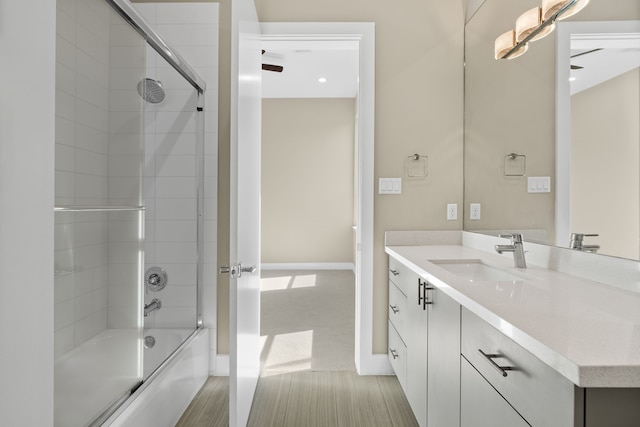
x,y
394,309
489,358
393,353
394,272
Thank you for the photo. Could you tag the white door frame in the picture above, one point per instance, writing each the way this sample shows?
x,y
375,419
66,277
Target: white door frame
x,y
364,33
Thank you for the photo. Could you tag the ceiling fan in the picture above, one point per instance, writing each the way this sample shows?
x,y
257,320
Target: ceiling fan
x,y
271,67
577,67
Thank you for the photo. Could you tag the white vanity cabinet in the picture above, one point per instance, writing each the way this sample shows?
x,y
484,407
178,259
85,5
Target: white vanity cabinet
x,y
443,379
534,391
430,331
472,355
407,349
481,405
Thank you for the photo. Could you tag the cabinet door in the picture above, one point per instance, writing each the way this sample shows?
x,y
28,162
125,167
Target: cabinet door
x,y
443,381
417,330
481,404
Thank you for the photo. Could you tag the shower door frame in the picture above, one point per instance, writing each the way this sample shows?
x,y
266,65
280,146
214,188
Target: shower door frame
x,y
153,39
126,10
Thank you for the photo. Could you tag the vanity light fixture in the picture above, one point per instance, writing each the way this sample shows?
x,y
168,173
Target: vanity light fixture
x,y
533,25
506,44
551,7
528,22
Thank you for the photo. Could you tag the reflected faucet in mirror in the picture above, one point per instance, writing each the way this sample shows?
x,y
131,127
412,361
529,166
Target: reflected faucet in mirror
x,y
578,245
515,247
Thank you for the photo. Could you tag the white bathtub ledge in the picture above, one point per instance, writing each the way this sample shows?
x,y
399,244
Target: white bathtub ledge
x,y
161,401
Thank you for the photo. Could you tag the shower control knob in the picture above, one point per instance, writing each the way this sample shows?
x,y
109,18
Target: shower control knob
x,y
155,279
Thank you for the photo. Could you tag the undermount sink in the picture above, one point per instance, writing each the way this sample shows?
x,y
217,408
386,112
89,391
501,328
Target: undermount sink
x,y
477,270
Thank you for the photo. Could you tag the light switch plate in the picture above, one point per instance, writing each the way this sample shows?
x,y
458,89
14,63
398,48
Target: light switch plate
x,y
390,186
539,184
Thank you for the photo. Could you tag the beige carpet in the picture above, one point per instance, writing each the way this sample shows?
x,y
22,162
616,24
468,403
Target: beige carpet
x,y
307,321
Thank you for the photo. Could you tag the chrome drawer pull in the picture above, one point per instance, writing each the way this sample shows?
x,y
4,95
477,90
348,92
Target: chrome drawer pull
x,y
394,309
489,357
394,272
393,353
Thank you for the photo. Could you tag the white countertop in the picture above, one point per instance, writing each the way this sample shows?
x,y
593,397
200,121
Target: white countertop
x,y
587,331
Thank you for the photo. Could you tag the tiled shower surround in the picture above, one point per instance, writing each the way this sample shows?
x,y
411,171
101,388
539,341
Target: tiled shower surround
x,y
171,165
98,60
114,149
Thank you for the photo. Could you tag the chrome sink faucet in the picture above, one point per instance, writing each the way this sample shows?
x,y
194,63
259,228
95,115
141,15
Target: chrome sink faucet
x,y
577,243
515,247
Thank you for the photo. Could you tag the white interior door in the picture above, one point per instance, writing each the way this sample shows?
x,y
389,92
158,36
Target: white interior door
x,y
246,124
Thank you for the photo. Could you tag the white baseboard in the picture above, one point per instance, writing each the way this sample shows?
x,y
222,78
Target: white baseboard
x,y
308,266
222,366
376,364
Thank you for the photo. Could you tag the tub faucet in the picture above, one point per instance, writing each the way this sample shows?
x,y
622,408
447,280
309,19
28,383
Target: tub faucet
x,y
154,305
576,243
515,247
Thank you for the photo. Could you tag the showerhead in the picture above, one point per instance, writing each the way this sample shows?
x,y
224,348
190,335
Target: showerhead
x,y
151,90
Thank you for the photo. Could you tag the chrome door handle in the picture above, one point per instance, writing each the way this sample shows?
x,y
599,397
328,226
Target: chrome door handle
x,y
489,358
250,269
235,271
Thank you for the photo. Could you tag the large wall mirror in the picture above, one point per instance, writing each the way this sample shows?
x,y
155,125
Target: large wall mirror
x,y
552,137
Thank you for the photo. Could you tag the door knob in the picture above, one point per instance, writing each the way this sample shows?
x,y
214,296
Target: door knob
x,y
249,269
235,271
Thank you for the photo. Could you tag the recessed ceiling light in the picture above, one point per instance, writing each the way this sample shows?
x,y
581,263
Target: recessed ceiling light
x,y
322,80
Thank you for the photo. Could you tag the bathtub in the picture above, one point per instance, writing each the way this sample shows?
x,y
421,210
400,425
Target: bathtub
x,y
168,389
95,375
166,341
104,366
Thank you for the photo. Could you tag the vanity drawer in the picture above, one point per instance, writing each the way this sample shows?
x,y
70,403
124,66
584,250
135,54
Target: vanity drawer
x,y
402,276
397,353
539,393
397,309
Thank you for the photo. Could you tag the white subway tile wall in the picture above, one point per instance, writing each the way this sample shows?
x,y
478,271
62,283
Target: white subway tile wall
x,y
101,156
171,164
91,266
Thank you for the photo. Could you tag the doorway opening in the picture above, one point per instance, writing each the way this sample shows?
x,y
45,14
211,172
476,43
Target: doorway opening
x,y
346,44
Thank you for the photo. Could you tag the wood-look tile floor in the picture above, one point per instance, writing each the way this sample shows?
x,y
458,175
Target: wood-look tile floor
x,y
297,399
307,383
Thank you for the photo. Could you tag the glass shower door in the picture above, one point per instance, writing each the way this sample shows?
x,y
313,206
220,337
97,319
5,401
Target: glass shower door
x,y
99,218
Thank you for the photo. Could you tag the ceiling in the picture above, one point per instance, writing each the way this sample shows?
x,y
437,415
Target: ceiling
x,y
304,63
615,56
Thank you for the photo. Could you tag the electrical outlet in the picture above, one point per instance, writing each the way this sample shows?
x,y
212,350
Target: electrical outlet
x,y
452,211
474,211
